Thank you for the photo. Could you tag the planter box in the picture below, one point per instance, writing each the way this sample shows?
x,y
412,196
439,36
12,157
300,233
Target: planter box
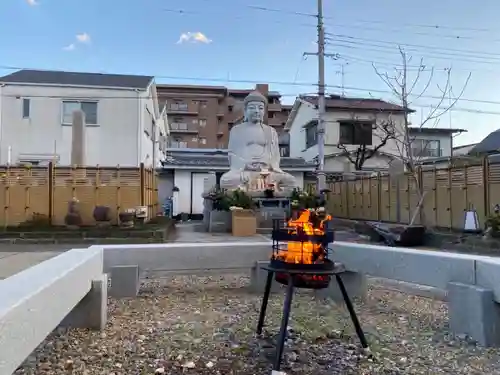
x,y
244,223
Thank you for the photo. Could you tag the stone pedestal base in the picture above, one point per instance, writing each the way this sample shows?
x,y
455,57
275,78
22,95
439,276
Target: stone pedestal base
x,y
269,209
124,281
473,311
92,311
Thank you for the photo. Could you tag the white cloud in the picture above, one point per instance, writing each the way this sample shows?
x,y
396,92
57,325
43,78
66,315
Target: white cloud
x,y
83,38
32,2
193,37
70,47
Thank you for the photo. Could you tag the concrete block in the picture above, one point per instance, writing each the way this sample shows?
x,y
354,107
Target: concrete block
x,y
92,311
124,281
355,284
258,278
472,311
431,268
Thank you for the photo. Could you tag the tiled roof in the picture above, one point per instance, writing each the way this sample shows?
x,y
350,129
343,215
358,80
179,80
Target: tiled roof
x,y
221,161
77,79
489,145
340,102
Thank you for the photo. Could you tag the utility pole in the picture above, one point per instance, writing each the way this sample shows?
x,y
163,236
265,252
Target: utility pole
x,y
321,100
321,178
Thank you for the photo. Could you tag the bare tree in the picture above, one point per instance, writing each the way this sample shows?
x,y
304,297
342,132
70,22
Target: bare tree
x,y
403,87
364,149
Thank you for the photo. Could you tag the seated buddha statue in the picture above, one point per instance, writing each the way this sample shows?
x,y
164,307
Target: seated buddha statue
x,y
254,155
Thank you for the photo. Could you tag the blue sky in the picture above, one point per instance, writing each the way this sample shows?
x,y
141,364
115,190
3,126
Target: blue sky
x,y
234,44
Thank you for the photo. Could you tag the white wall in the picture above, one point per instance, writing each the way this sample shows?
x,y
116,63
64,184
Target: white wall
x,y
182,200
305,114
116,140
149,144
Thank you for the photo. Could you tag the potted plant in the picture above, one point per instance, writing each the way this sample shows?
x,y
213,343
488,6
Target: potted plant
x,y
102,215
244,222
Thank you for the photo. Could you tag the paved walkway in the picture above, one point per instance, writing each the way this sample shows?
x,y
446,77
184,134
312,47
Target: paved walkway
x,y
12,263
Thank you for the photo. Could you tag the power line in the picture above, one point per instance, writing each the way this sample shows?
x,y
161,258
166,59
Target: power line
x,y
282,83
398,65
352,26
391,50
442,55
435,48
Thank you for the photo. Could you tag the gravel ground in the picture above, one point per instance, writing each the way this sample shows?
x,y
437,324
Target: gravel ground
x,y
205,325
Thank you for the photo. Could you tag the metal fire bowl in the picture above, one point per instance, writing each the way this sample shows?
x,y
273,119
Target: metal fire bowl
x,y
307,276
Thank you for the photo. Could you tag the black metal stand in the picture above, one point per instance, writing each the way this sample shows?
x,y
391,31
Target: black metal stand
x,y
292,274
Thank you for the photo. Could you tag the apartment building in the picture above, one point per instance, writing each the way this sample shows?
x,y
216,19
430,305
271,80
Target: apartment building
x,y
201,116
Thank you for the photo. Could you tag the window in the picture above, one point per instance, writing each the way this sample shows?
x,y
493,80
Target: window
x,y
230,108
26,108
178,105
203,123
311,134
426,147
203,104
88,108
356,133
195,121
194,139
203,141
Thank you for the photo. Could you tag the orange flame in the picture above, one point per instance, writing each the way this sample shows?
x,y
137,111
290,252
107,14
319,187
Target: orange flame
x,y
304,252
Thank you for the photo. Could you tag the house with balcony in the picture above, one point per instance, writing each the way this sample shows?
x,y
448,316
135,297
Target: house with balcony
x,y
351,122
124,123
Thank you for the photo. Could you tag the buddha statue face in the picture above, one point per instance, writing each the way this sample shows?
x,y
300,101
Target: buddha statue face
x,y
254,112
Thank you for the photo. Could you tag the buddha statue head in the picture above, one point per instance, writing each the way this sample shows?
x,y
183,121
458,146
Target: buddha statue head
x,y
255,107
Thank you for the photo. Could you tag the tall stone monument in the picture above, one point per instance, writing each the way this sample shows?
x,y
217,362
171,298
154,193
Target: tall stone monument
x,y
78,139
254,155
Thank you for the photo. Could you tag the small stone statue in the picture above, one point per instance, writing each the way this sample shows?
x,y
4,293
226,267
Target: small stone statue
x,y
254,155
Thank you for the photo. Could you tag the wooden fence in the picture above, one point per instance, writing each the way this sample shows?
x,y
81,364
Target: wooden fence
x,y
448,194
25,191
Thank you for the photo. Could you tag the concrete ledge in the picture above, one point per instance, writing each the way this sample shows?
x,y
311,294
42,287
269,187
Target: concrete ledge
x,y
429,268
488,275
181,256
34,301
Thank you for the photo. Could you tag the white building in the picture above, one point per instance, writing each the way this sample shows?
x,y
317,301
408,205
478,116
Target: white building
x,y
125,125
351,121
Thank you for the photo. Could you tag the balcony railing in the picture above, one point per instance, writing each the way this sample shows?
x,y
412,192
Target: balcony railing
x,y
183,108
181,127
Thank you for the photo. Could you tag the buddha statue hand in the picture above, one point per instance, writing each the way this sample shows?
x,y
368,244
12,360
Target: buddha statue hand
x,y
256,166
